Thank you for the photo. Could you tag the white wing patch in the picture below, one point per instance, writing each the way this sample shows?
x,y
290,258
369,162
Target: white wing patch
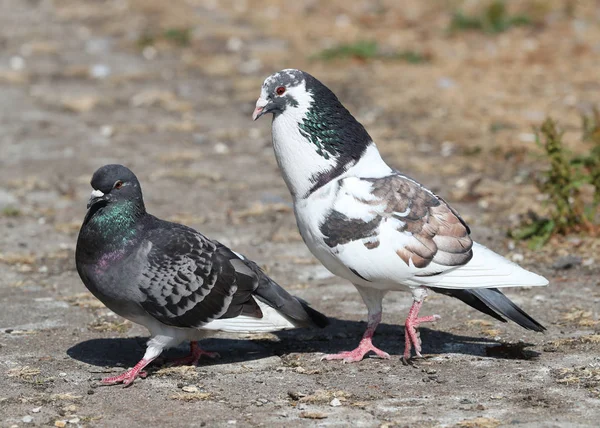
x,y
272,320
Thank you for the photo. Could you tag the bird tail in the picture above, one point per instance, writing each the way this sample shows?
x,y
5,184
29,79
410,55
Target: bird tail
x,y
485,270
492,302
318,319
296,310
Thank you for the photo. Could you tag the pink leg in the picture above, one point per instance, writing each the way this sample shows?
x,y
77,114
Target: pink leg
x,y
129,376
410,329
195,354
364,347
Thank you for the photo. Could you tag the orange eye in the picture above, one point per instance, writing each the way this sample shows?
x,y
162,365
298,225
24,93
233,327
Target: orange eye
x,y
118,184
280,90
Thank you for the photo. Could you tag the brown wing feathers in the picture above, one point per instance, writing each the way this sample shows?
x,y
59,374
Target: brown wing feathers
x,y
438,232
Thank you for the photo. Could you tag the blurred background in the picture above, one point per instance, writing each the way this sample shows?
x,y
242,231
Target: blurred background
x,y
451,89
492,104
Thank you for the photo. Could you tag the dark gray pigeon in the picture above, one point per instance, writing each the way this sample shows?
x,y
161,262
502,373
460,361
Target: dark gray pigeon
x,y
170,278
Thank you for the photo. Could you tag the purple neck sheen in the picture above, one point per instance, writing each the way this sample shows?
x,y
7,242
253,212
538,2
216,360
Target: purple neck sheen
x,y
109,258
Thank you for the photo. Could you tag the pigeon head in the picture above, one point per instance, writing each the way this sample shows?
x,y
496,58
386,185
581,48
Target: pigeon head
x,y
286,88
313,133
115,214
113,184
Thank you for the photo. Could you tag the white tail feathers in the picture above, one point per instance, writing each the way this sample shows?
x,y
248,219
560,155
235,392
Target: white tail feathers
x,y
486,270
272,320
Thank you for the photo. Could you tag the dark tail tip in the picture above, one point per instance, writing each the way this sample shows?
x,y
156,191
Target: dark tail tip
x,y
504,306
494,298
493,302
316,317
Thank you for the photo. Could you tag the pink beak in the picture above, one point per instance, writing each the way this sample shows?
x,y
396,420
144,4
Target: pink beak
x,y
258,110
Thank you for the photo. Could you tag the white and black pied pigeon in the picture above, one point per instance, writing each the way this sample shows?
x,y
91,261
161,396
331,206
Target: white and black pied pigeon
x,y
170,278
372,225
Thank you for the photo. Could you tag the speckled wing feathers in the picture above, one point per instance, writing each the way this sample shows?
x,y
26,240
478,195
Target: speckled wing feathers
x,y
189,280
434,232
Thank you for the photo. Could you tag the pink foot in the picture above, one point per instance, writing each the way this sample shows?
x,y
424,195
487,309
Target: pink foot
x,y
364,347
411,337
129,376
195,354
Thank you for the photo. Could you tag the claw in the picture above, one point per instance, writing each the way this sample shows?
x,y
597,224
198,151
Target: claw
x,y
412,338
195,354
365,346
130,375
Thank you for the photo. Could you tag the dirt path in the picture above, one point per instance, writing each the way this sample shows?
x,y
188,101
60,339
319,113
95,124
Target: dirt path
x,y
79,89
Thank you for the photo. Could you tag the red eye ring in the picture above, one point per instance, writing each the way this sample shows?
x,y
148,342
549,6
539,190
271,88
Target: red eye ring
x,y
280,90
118,184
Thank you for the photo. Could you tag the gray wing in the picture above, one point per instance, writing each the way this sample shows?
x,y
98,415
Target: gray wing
x,y
190,280
431,230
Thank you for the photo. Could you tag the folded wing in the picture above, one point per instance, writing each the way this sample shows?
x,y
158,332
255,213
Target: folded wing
x,y
393,230
190,281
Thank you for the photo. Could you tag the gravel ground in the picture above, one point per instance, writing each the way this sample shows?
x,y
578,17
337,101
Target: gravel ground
x,y
85,83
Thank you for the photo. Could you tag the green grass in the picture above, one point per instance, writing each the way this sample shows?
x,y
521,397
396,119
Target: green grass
x,y
562,181
178,36
591,134
10,211
364,50
493,19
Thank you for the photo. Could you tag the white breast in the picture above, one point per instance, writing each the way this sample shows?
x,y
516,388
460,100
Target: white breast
x,y
311,212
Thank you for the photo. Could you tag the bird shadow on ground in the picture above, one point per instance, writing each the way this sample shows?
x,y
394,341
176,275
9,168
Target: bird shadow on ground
x,y
341,335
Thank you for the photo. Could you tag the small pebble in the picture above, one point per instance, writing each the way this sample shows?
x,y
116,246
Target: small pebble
x,y
335,402
74,420
149,52
221,148
445,83
190,388
36,410
107,131
527,137
27,419
17,63
234,44
517,257
447,148
99,71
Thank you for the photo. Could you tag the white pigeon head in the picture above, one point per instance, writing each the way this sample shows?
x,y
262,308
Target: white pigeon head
x,y
281,91
315,137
